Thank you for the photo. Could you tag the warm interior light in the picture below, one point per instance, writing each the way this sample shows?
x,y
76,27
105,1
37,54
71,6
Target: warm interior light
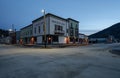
x,y
32,40
21,41
49,38
67,40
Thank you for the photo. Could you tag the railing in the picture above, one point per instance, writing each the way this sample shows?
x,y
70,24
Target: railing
x,y
59,31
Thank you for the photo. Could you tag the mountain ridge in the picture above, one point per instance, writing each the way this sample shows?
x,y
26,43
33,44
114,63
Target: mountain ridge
x,y
113,30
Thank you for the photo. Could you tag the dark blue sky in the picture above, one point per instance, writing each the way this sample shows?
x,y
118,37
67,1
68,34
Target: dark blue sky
x,y
93,15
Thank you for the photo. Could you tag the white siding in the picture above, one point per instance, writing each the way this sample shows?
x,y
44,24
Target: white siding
x,y
67,29
40,23
56,21
81,36
62,39
39,39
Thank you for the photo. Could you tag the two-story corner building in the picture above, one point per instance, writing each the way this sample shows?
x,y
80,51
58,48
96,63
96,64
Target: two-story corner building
x,y
55,29
58,30
73,30
26,35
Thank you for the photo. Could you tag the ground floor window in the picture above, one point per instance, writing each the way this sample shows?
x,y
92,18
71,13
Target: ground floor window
x,y
55,38
72,39
50,39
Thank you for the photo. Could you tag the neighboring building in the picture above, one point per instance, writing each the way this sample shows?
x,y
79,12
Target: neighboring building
x,y
109,39
26,34
4,37
58,30
12,35
98,40
83,39
73,30
12,38
17,37
6,40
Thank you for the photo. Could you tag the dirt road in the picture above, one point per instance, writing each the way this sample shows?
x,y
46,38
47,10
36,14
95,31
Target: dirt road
x,y
92,61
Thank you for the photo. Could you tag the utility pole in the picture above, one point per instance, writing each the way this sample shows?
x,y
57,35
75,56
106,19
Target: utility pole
x,y
43,11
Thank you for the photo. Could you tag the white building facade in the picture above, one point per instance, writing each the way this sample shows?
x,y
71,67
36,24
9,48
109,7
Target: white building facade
x,y
55,29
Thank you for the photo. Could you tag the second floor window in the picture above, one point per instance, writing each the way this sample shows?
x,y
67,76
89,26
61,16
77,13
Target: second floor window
x,y
57,27
39,29
67,30
35,30
30,32
76,26
71,26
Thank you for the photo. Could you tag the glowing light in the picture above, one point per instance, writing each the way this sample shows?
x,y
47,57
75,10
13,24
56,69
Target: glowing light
x,y
42,10
65,39
10,29
32,40
49,38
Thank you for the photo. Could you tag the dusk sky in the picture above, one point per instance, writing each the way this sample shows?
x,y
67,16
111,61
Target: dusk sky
x,y
93,15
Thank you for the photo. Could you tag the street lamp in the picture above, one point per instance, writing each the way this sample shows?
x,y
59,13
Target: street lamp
x,y
43,11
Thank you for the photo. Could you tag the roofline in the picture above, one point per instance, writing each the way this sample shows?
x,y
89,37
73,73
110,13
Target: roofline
x,y
73,20
49,14
82,34
56,16
26,26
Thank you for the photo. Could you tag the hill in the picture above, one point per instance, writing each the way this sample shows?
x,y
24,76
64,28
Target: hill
x,y
114,31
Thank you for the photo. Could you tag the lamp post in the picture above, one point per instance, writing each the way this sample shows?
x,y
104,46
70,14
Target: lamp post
x,y
43,11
